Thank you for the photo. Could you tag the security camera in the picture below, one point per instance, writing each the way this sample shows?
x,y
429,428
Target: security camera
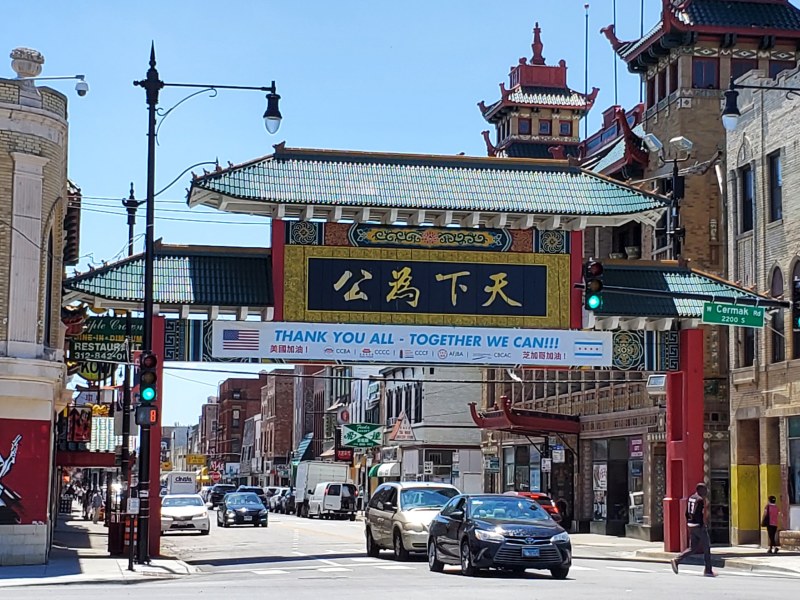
x,y
82,88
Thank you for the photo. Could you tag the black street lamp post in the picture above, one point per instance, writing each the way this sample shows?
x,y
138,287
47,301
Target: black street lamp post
x,y
731,114
152,85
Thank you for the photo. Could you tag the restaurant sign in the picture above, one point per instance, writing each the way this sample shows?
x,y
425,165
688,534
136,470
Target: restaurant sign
x,y
297,342
103,338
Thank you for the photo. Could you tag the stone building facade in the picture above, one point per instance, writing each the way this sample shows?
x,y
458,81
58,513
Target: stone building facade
x,y
277,424
764,249
33,203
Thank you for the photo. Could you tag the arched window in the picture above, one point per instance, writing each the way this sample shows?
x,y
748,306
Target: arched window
x,y
778,325
795,334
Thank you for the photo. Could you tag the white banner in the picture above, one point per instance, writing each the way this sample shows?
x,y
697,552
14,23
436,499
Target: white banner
x,y
295,342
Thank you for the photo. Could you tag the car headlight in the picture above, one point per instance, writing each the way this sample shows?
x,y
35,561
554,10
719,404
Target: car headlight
x,y
489,536
263,512
560,537
200,515
418,527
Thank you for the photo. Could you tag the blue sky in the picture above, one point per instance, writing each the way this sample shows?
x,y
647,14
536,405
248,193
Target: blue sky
x,y
356,75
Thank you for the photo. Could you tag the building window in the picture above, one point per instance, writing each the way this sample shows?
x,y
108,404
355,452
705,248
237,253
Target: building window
x,y
236,415
524,126
673,77
795,334
775,187
705,73
794,459
418,402
565,128
545,127
651,92
747,349
778,66
508,468
778,335
746,193
662,84
740,66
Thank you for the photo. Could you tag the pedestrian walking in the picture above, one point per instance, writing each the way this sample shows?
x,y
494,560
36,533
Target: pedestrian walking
x,y
770,520
96,503
696,521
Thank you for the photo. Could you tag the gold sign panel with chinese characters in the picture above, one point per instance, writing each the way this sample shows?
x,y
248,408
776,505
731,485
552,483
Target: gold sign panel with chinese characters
x,y
426,287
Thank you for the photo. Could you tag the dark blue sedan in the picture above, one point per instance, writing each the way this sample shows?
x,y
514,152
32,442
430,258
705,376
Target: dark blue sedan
x,y
497,531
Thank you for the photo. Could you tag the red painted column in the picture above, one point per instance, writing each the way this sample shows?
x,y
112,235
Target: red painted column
x,y
685,414
155,444
575,276
278,244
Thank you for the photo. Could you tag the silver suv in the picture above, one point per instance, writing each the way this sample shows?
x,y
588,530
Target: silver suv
x,y
398,516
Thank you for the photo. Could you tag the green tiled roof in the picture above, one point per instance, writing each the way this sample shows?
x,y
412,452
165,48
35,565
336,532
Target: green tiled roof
x,y
398,181
185,275
671,278
548,97
616,153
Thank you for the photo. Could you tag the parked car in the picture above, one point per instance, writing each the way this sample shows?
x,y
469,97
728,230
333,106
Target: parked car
x,y
545,501
332,499
218,492
184,512
258,491
398,516
204,491
275,499
498,531
242,508
288,504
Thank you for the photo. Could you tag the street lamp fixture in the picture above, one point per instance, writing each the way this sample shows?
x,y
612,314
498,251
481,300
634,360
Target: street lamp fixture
x,y
731,114
152,85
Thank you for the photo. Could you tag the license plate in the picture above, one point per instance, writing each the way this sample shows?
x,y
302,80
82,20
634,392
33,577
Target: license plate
x,y
530,552
182,525
248,518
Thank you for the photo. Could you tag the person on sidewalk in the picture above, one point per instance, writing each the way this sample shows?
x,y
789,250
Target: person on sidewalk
x,y
699,541
97,502
770,520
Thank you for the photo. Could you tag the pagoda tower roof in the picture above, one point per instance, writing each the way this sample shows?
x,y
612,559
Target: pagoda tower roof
x,y
682,21
533,83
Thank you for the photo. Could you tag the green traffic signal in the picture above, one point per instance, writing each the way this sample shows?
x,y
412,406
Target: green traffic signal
x,y
594,302
148,394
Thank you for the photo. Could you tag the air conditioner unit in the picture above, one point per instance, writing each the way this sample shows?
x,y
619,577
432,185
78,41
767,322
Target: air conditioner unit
x,y
391,421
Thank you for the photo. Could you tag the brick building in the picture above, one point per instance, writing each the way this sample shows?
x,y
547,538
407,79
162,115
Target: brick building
x,y
207,426
36,241
764,250
277,426
239,399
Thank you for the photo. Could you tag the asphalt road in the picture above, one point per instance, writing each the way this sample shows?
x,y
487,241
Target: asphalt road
x,y
309,559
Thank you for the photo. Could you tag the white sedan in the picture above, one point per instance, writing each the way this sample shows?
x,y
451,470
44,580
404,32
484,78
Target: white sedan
x,y
184,512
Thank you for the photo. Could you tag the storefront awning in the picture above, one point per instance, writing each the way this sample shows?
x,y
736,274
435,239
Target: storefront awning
x,y
302,449
373,470
524,421
391,469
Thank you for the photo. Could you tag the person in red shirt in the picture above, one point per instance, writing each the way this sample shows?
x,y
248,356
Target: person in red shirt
x,y
770,521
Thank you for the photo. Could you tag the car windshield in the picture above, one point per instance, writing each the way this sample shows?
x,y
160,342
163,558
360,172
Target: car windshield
x,y
223,488
426,497
243,499
255,490
182,501
506,509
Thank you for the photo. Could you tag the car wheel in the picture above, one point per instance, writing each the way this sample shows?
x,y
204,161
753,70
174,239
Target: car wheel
x,y
400,552
434,564
353,517
559,572
467,568
205,531
373,550
226,524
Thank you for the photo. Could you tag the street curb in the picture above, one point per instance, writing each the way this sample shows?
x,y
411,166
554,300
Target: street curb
x,y
716,561
121,581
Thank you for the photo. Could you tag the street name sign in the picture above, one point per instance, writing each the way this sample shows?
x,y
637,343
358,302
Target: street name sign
x,y
361,435
733,314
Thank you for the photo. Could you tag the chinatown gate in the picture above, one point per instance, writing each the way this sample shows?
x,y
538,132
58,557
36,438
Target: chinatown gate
x,y
416,259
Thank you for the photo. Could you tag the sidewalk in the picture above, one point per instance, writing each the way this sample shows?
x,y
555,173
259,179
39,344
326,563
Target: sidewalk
x,y
80,555
747,558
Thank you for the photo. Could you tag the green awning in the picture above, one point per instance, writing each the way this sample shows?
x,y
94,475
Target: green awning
x,y
373,470
302,449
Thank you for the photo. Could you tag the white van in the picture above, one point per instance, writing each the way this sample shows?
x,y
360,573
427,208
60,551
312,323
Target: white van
x,y
333,500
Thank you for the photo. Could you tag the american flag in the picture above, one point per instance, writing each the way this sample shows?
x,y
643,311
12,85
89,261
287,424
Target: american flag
x,y
240,339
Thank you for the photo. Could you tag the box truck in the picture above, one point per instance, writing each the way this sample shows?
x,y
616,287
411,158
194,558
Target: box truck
x,y
310,474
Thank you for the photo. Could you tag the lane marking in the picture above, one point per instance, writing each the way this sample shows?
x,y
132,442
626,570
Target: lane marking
x,y
334,570
631,570
394,567
365,559
579,568
270,572
332,563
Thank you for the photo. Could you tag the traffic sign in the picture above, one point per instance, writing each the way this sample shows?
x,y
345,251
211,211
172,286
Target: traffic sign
x,y
215,476
733,314
546,465
361,435
558,455
133,505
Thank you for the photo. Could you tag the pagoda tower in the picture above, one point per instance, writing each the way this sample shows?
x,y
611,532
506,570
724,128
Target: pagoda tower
x,y
538,115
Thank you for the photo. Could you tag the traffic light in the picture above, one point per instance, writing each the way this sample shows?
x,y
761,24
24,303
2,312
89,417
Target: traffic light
x,y
148,377
146,415
796,304
593,285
